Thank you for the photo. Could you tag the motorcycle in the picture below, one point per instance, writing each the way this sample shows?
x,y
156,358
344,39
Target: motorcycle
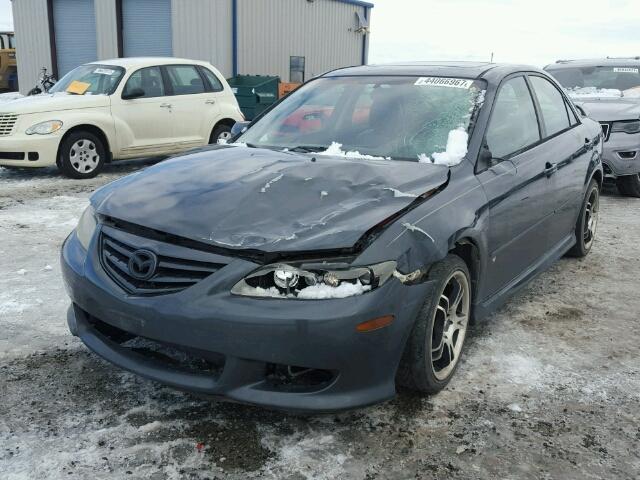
x,y
45,82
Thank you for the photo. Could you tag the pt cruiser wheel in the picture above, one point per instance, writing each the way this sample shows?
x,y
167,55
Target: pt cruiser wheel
x,y
587,225
82,155
434,348
221,132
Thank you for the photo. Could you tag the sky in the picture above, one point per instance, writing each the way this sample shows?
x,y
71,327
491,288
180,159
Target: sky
x,y
534,32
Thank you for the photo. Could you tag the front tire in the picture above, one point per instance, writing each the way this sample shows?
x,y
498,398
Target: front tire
x,y
433,350
587,224
629,185
82,155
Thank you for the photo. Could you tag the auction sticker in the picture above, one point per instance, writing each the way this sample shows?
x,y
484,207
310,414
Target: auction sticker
x,y
104,71
625,70
444,82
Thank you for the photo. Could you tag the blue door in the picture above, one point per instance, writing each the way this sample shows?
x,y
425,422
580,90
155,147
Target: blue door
x,y
146,28
74,25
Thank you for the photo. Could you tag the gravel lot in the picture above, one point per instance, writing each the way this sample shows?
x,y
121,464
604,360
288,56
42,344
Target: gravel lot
x,y
549,387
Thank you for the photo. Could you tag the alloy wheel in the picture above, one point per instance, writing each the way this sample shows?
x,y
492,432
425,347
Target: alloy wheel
x,y
83,156
591,218
451,318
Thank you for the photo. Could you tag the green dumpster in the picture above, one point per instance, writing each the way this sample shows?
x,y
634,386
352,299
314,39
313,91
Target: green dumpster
x,y
255,93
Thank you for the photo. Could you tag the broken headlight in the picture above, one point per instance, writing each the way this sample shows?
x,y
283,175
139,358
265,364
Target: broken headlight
x,y
313,281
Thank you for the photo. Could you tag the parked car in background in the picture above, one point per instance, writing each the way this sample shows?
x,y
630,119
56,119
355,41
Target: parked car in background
x,y
608,89
312,263
8,68
117,109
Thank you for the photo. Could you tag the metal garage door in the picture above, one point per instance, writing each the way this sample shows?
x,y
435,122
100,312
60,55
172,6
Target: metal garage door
x,y
74,24
146,28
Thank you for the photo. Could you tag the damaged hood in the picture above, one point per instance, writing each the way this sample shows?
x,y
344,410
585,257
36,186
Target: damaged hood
x,y
246,198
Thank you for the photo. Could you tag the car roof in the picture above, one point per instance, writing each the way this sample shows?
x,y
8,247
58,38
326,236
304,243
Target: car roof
x,y
595,62
456,69
132,62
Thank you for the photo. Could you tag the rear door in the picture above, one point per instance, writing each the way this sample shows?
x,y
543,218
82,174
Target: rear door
x,y
567,150
516,186
144,125
194,107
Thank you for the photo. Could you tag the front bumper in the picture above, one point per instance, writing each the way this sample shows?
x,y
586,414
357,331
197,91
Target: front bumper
x,y
250,335
621,154
21,150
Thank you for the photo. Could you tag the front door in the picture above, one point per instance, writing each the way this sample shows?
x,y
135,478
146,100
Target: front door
x,y
517,187
144,125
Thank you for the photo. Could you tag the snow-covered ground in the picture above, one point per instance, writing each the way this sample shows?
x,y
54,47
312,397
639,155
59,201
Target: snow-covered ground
x,y
549,387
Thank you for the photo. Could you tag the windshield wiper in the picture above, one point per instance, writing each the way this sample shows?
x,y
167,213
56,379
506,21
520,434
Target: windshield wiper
x,y
308,148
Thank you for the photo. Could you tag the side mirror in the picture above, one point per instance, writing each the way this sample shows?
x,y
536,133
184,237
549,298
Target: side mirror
x,y
133,93
485,158
238,128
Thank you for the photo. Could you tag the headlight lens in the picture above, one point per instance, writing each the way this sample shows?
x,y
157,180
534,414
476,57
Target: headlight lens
x,y
313,281
86,227
626,127
44,128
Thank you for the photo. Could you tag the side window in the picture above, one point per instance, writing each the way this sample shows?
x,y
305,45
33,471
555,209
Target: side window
x,y
148,79
552,105
185,79
573,119
216,86
513,125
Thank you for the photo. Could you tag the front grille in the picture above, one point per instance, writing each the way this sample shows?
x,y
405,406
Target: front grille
x,y
172,274
605,130
7,122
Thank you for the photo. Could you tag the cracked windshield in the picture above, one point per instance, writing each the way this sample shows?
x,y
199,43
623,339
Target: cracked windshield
x,y
405,118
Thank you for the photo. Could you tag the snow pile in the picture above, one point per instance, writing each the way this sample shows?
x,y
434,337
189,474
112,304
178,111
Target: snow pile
x,y
454,153
335,150
270,182
397,193
7,97
321,291
585,92
222,141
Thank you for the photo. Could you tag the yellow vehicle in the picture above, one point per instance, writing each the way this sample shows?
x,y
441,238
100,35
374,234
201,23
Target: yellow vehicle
x,y
8,68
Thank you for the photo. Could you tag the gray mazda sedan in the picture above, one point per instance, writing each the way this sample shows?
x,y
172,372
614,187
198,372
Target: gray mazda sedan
x,y
343,243
608,90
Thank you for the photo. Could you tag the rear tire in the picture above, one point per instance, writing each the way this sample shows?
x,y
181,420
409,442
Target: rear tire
x,y
433,350
629,185
587,224
221,132
82,155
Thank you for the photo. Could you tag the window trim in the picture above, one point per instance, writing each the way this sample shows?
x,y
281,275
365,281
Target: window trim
x,y
159,67
169,85
208,87
564,97
495,98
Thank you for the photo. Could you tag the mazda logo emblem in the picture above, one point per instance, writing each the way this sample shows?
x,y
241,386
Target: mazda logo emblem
x,y
143,264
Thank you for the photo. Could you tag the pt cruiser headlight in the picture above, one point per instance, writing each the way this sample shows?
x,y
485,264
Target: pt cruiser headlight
x,y
86,227
313,281
626,127
44,128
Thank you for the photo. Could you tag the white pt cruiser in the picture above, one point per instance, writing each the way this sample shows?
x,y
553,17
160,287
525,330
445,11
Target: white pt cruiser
x,y
117,109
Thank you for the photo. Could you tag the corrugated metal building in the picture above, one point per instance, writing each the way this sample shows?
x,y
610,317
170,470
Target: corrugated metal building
x,y
293,39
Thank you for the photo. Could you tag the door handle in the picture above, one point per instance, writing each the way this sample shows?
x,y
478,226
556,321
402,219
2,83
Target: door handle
x,y
210,101
165,105
550,169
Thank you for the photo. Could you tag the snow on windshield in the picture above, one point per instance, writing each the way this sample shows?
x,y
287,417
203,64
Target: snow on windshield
x,y
454,153
335,150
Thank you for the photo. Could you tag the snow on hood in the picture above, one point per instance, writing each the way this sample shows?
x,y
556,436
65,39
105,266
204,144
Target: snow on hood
x,y
10,96
609,109
53,102
250,198
455,150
